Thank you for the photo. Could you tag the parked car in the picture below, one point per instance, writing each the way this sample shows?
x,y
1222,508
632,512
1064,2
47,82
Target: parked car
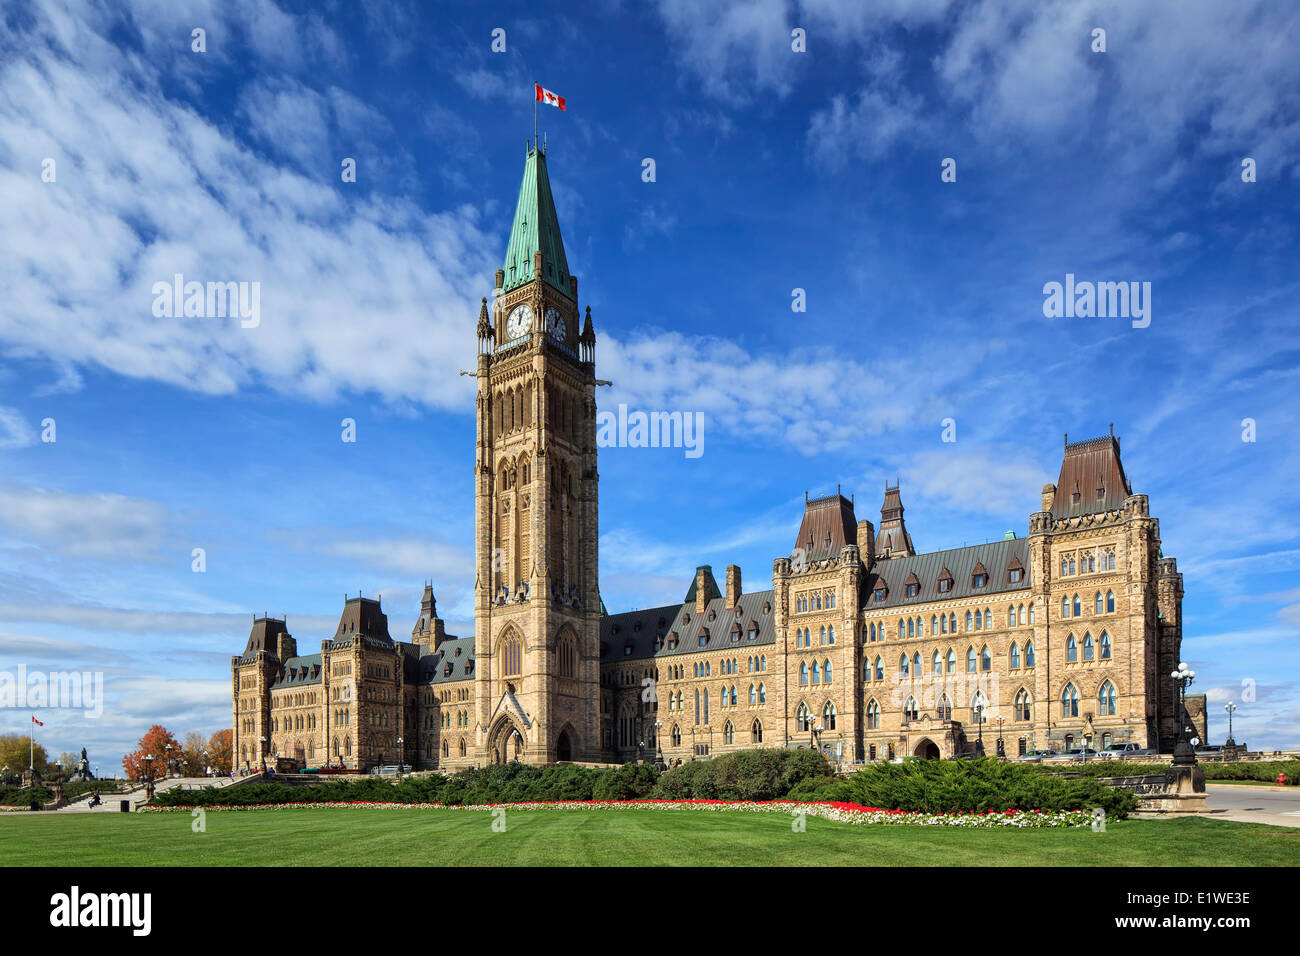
x,y
1128,748
1036,756
1210,749
972,755
1084,752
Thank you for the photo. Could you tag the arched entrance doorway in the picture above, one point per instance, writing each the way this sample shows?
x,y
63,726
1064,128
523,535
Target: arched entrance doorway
x,y
927,749
563,747
506,742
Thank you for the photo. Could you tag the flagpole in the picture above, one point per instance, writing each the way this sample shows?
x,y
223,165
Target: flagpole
x,y
534,114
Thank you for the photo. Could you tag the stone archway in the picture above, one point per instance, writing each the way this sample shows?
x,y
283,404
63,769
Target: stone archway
x,y
927,749
563,746
506,742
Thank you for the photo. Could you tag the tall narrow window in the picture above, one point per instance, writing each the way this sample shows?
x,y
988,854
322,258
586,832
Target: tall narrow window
x,y
1069,701
1106,699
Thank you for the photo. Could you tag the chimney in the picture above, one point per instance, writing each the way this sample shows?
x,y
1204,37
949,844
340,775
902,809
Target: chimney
x,y
866,541
702,579
1049,496
733,585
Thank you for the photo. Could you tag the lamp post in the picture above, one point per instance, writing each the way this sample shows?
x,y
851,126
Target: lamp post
x,y
1002,750
1184,753
400,742
979,721
148,776
659,746
261,756
1229,707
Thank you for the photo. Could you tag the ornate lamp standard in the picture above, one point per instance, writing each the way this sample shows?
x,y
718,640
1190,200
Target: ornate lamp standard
x,y
979,720
1184,754
148,776
1229,707
400,742
1002,750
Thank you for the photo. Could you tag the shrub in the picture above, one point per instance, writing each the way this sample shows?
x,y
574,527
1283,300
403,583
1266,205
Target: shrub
x,y
822,790
944,786
767,774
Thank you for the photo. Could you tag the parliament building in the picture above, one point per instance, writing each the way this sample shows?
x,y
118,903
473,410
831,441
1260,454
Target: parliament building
x,y
860,645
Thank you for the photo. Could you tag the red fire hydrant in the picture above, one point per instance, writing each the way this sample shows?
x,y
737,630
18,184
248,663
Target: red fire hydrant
x,y
1281,779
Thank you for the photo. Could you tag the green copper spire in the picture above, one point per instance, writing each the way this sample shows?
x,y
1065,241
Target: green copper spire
x,y
536,228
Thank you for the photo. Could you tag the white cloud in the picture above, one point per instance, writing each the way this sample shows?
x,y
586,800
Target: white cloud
x,y
91,525
15,431
738,51
982,480
358,292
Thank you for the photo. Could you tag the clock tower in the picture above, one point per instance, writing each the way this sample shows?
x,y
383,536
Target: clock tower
x,y
537,603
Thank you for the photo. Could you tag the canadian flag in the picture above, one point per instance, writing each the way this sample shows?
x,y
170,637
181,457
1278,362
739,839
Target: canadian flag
x,y
546,96
37,722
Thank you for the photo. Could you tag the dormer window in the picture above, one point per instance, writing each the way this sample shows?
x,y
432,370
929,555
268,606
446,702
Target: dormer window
x,y
1015,575
627,649
879,594
978,580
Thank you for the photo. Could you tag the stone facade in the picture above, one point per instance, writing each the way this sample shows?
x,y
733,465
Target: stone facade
x,y
862,647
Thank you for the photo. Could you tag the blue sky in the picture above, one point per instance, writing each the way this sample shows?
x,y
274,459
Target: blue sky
x,y
775,170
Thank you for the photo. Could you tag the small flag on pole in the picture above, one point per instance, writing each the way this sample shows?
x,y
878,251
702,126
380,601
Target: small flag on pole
x,y
37,722
546,96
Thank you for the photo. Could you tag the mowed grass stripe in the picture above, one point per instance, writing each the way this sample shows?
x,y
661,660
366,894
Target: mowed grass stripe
x,y
342,837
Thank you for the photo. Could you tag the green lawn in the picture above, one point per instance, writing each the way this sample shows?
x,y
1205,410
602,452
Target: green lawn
x,y
341,837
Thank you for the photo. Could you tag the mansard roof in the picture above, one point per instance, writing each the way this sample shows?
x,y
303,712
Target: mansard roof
x,y
1092,478
828,525
452,661
363,619
633,634
536,228
263,635
300,672
998,557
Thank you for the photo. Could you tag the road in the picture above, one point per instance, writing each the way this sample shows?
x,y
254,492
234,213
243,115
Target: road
x,y
1272,805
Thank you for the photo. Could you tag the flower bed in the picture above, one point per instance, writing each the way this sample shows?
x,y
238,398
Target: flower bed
x,y
838,812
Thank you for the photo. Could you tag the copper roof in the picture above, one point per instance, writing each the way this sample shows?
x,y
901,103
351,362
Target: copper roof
x,y
363,619
637,635
996,558
828,525
1092,478
262,636
892,538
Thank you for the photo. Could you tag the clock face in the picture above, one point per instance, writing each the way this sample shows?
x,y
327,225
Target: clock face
x,y
520,321
555,324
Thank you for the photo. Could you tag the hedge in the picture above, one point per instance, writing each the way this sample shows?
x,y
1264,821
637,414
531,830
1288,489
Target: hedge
x,y
946,786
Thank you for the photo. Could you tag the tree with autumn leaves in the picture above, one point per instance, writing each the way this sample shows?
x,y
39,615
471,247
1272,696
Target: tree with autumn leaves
x,y
191,758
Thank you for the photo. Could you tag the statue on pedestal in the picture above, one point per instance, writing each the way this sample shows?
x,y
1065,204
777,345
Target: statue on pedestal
x,y
83,769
